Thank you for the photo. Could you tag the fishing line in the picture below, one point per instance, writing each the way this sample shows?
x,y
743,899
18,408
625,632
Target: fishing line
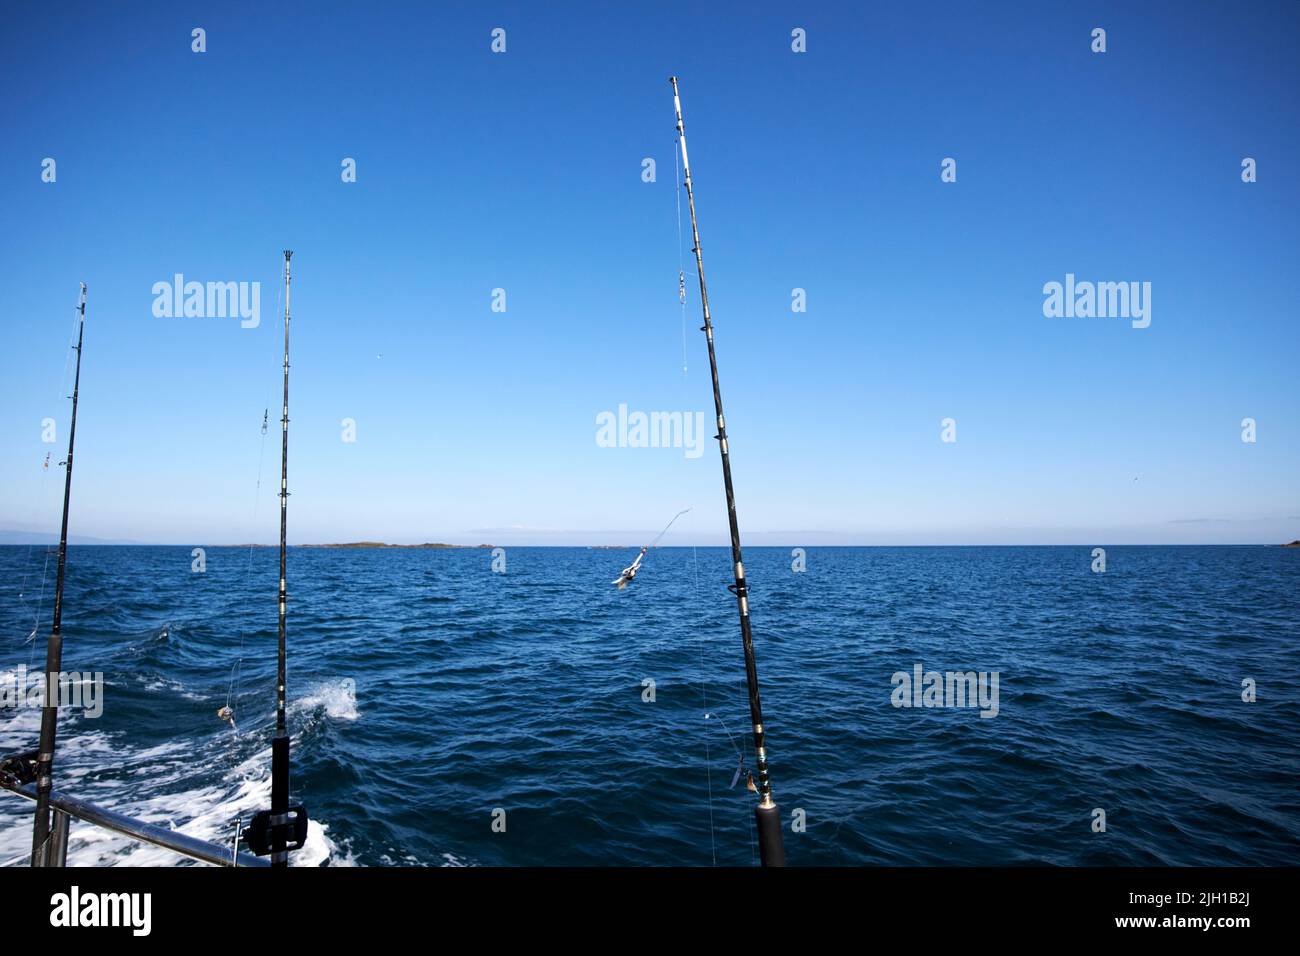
x,y
36,618
708,715
67,359
679,163
681,257
275,351
704,696
666,527
22,588
237,669
695,558
40,601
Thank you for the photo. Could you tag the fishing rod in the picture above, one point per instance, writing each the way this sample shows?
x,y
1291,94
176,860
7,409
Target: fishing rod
x,y
54,647
280,746
282,828
771,848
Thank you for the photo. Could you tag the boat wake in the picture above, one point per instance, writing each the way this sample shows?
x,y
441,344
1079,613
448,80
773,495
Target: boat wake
x,y
198,788
336,699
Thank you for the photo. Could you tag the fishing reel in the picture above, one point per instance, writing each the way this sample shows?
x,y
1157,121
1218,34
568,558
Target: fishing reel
x,y
18,770
262,831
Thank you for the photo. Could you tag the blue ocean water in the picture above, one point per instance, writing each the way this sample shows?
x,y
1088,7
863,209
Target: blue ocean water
x,y
428,692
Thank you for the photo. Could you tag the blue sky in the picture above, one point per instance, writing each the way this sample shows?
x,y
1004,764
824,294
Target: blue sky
x,y
522,171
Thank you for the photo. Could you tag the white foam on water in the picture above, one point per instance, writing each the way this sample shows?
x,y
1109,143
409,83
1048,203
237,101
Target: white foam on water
x,y
18,727
207,811
449,860
337,698
161,684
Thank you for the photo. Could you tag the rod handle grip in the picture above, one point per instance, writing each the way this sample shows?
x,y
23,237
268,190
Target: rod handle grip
x,y
770,845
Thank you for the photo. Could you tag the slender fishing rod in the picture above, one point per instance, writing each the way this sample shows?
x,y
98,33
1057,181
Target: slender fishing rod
x,y
54,647
280,745
770,845
282,828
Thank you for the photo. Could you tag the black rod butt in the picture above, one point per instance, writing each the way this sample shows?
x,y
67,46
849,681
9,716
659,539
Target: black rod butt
x,y
770,846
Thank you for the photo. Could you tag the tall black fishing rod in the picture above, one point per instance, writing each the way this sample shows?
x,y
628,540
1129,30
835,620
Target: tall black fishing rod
x,y
280,745
771,848
282,828
54,647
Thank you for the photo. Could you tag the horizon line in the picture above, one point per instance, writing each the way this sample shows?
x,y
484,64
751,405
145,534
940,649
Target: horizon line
x,y
446,546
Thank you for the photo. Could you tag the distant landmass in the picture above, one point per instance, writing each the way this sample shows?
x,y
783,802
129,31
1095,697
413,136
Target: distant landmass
x,y
382,544
11,536
14,536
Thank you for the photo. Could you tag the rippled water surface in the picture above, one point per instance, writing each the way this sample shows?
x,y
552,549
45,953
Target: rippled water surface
x,y
428,691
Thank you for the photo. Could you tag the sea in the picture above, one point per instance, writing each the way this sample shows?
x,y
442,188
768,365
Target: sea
x,y
465,707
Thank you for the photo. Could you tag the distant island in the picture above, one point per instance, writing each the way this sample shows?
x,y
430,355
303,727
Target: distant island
x,y
382,544
1293,544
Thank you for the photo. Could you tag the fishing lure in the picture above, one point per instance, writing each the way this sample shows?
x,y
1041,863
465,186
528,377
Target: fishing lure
x,y
628,573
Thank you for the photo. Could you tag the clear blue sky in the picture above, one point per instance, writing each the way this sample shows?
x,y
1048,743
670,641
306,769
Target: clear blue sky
x,y
523,171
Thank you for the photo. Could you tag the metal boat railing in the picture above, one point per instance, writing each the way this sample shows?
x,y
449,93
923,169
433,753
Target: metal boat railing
x,y
66,807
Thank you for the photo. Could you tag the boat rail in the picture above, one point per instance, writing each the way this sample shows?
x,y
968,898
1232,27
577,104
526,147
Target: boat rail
x,y
68,807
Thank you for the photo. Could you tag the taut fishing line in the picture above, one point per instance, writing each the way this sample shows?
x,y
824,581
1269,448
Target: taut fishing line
x,y
704,694
681,256
60,396
669,525
695,559
236,669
